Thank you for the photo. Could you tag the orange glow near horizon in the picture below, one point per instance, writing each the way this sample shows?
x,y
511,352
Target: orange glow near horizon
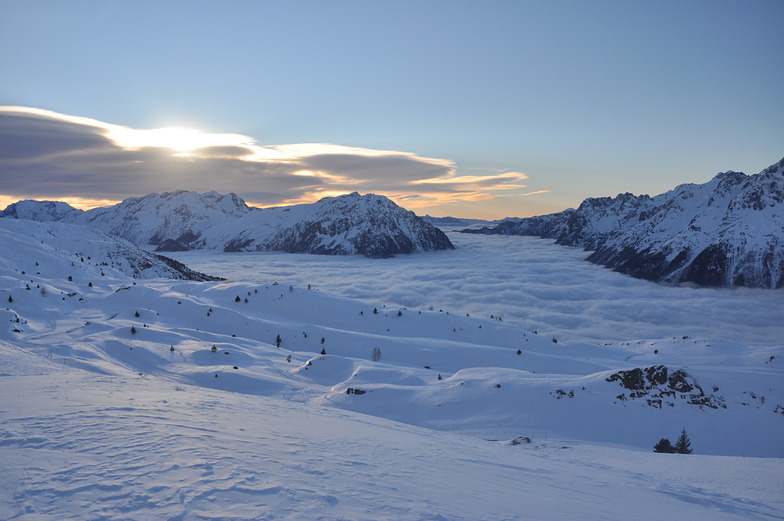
x,y
477,205
81,203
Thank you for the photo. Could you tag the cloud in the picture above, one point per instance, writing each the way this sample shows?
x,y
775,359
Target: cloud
x,y
45,154
529,282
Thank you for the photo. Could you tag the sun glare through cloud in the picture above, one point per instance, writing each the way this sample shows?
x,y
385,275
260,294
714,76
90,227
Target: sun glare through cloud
x,y
179,139
89,162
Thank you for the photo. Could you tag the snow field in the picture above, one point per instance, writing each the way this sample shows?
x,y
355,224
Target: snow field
x,y
114,405
100,447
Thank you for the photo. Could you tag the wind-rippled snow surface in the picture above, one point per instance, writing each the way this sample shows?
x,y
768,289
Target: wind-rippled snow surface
x,y
100,448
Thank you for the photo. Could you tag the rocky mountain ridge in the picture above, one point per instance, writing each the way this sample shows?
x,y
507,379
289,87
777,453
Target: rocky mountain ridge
x,y
726,232
369,224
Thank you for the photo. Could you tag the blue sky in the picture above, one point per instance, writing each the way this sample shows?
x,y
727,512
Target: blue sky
x,y
449,107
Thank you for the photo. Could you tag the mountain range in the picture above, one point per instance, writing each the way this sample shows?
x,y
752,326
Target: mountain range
x,y
129,395
726,232
369,224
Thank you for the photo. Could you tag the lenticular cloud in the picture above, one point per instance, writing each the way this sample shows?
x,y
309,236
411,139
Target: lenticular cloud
x,y
55,156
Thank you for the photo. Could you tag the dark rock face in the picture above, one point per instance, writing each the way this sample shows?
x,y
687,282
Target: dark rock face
x,y
184,271
727,232
171,245
660,386
368,225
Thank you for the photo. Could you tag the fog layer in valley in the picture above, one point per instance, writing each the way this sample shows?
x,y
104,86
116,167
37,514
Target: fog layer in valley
x,y
527,281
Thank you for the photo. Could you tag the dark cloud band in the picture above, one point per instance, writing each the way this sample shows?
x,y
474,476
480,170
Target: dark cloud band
x,y
45,154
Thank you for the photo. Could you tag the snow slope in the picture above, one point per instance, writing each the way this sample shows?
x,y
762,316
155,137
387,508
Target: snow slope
x,y
169,399
175,221
77,445
726,232
32,247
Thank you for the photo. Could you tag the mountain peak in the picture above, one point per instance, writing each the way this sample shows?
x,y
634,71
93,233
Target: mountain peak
x,y
726,232
368,224
42,211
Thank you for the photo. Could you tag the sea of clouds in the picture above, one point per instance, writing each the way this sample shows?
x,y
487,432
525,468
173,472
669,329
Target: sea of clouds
x,y
526,281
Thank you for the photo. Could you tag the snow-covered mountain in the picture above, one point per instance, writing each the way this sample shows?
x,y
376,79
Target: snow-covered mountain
x,y
456,222
175,221
726,232
80,253
42,211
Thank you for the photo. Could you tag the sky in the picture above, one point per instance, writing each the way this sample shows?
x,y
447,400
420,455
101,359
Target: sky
x,y
471,109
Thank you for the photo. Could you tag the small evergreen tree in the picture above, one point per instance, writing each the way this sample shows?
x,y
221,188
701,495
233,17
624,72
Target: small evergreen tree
x,y
375,355
664,446
133,330
237,298
10,298
375,311
323,351
683,445
323,340
278,340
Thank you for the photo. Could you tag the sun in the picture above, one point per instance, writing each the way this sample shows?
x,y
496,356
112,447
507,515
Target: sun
x,y
181,140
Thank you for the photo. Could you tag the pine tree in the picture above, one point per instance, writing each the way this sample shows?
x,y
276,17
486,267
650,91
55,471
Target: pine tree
x,y
665,446
323,351
683,445
278,340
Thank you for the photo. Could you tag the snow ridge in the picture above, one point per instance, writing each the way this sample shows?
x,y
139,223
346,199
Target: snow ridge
x,y
84,253
370,225
726,232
